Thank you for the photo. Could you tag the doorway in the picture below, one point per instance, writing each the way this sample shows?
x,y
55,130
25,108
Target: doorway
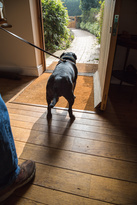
x,y
103,74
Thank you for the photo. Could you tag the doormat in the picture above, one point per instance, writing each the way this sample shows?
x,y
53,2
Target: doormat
x,y
35,93
82,67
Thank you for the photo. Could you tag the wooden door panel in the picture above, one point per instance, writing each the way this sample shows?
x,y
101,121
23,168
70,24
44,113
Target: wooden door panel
x,y
108,43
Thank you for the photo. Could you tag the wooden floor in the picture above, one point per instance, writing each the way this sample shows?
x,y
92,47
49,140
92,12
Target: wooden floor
x,y
92,161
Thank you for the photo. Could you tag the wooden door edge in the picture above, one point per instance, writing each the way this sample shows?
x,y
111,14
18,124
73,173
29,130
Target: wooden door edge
x,y
97,90
41,31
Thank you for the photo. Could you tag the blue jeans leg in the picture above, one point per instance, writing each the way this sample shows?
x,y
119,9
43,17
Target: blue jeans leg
x,y
9,168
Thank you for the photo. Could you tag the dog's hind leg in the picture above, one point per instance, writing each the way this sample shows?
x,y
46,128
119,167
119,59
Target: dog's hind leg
x,y
70,100
70,112
49,115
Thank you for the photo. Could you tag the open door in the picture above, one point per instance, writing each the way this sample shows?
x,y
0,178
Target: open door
x,y
108,44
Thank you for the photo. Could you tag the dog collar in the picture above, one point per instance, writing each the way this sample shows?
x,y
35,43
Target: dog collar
x,y
68,58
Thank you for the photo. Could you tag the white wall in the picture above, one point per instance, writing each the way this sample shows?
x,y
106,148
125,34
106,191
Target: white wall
x,y
128,22
15,54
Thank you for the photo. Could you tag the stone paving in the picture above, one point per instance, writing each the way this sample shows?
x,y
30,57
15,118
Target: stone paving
x,y
84,45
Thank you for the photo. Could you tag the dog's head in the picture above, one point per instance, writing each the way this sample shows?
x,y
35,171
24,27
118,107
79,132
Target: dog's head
x,y
69,56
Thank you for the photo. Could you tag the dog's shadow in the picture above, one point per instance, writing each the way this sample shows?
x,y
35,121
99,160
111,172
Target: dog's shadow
x,y
46,141
58,134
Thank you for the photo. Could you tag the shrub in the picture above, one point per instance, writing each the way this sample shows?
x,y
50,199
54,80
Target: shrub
x,y
72,7
90,16
91,27
92,20
86,5
55,20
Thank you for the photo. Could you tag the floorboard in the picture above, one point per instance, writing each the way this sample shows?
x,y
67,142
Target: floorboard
x,y
92,160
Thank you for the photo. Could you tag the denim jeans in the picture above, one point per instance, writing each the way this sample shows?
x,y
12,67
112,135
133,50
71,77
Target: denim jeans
x,y
9,168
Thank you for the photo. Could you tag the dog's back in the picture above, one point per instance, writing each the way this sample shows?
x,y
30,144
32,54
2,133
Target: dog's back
x,y
66,69
62,79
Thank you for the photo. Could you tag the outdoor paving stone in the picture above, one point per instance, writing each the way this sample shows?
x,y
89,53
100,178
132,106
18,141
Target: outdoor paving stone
x,y
84,45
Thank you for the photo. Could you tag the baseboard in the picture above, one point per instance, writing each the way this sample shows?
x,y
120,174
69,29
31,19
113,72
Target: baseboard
x,y
28,71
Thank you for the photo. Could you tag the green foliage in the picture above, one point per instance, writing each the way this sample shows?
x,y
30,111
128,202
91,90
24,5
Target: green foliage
x,y
101,14
72,7
89,21
92,20
91,27
55,20
86,5
90,16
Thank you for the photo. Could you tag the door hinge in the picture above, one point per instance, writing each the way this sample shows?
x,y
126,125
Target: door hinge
x,y
110,30
115,25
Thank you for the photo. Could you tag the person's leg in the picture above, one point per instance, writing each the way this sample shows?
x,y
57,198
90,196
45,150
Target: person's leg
x,y
12,176
9,168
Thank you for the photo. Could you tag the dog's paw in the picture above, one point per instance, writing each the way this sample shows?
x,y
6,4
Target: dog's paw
x,y
72,117
49,116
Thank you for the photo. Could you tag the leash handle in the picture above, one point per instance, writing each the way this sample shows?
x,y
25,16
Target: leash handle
x,y
16,36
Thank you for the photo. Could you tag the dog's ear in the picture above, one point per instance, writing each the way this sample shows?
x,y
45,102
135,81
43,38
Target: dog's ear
x,y
74,55
62,55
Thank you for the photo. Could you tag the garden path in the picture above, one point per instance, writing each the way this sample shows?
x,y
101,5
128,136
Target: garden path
x,y
84,45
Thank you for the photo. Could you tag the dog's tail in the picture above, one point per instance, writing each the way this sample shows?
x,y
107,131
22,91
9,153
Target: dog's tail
x,y
53,103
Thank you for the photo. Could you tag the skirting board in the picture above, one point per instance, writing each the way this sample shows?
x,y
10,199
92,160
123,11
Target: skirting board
x,y
28,71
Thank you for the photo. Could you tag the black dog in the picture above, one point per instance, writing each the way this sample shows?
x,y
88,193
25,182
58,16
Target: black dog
x,y
62,82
